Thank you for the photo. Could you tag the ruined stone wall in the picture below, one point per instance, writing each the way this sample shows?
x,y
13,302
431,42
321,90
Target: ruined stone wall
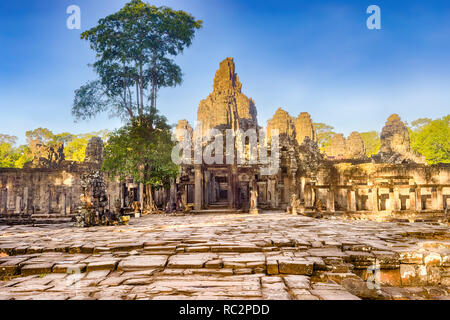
x,y
54,190
47,191
410,187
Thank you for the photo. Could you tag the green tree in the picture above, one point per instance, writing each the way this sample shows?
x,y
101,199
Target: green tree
x,y
372,142
142,150
134,48
75,149
324,134
5,138
432,140
420,123
7,155
11,156
23,156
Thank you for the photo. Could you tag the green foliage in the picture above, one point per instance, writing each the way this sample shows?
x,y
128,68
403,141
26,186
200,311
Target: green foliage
x,y
133,48
5,138
372,142
10,156
75,149
7,156
324,135
431,138
142,149
420,123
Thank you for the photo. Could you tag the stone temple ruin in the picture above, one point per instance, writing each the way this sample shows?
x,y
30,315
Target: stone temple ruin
x,y
394,184
229,255
50,191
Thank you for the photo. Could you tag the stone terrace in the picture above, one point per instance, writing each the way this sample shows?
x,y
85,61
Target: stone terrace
x,y
269,256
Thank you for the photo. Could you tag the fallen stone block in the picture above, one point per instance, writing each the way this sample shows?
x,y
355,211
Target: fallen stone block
x,y
134,263
31,269
296,266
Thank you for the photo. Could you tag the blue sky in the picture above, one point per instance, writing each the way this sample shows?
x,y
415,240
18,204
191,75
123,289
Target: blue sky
x,y
313,56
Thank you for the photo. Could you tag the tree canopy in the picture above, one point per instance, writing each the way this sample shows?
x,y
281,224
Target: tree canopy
x,y
324,134
142,150
372,142
12,156
134,49
431,138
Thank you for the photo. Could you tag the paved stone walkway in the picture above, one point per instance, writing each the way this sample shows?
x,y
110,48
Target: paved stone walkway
x,y
269,256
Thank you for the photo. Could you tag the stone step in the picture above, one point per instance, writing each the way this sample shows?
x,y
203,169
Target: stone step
x,y
216,211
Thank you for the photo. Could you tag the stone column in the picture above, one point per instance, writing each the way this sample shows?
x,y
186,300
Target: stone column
x,y
141,196
440,199
229,190
302,188
5,201
390,203
207,186
396,199
330,200
25,200
69,202
49,204
198,188
18,208
418,199
351,200
63,204
272,191
234,187
375,200
287,189
313,195
412,199
434,198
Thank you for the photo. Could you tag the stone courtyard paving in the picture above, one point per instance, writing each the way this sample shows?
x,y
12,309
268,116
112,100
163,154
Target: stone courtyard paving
x,y
269,256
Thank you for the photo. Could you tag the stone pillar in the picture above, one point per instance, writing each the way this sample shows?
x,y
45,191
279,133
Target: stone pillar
x,y
434,198
25,200
234,187
440,199
272,191
287,189
49,204
390,203
63,204
351,200
397,205
69,202
198,188
207,187
313,195
375,200
302,188
18,208
141,196
412,199
5,201
330,200
418,199
308,196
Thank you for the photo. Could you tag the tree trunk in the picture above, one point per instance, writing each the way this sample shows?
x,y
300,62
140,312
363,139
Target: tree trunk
x,y
141,85
137,94
154,84
149,204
